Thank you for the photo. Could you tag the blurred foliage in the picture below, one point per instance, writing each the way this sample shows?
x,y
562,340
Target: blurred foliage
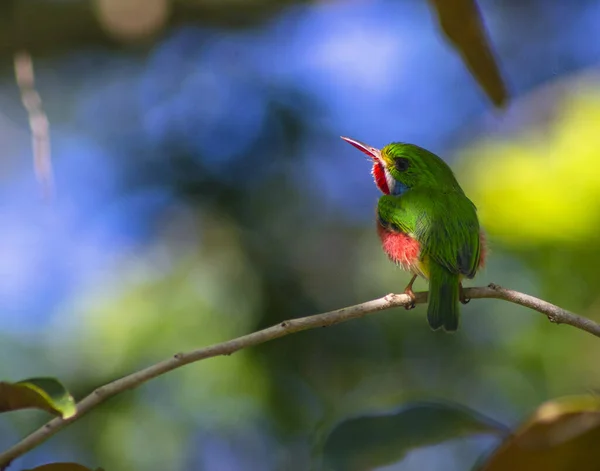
x,y
539,195
54,27
45,27
202,196
562,435
40,393
522,184
462,24
61,467
365,443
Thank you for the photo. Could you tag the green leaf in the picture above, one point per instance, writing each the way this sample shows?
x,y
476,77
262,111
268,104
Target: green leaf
x,y
367,442
562,435
461,22
61,467
38,393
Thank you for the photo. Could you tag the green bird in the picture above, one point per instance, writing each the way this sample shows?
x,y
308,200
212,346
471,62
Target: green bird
x,y
427,225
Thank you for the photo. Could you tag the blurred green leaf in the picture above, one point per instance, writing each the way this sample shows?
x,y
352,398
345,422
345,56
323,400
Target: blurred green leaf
x,y
38,393
461,22
562,435
511,179
367,442
62,467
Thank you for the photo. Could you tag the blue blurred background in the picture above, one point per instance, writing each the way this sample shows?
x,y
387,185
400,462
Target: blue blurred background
x,y
202,192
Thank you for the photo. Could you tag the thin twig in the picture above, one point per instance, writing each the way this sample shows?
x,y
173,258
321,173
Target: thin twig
x,y
38,121
554,313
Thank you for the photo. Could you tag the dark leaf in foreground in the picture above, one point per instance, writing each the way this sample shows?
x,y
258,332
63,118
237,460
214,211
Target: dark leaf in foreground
x,y
461,22
38,393
367,442
562,435
62,467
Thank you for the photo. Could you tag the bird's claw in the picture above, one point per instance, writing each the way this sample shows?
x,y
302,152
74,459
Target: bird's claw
x,y
409,292
462,297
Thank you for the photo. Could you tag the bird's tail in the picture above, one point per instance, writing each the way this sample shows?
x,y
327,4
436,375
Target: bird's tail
x,y
443,309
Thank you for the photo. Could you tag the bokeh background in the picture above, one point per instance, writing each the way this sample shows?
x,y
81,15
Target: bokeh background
x,y
202,192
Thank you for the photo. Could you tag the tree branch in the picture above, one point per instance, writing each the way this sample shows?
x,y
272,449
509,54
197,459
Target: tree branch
x,y
38,121
554,313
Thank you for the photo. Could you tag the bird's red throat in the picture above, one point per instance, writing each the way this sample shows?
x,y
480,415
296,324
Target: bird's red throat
x,y
380,178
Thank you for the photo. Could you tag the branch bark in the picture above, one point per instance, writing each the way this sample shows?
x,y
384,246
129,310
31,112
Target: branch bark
x,y
554,313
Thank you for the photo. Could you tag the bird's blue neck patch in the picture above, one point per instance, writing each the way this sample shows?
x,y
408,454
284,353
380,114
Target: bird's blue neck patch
x,y
398,189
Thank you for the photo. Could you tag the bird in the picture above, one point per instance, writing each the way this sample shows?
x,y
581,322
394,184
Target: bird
x,y
426,225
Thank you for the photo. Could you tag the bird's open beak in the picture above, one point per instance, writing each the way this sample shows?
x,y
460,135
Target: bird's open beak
x,y
372,152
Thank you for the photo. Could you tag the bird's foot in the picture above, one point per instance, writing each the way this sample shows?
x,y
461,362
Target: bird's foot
x,y
408,290
461,295
413,299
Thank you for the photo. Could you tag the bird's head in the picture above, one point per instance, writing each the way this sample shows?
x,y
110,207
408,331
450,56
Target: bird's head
x,y
399,167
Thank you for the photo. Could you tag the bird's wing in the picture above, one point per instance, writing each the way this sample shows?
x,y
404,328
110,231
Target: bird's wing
x,y
445,224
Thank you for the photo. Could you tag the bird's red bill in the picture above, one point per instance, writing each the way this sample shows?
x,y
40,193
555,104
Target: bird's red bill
x,y
378,170
370,151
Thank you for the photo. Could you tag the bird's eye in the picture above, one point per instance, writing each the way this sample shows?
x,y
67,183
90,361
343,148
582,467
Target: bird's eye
x,y
401,164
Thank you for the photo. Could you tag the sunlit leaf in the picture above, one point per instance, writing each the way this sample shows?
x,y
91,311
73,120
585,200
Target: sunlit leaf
x,y
461,22
367,442
562,435
38,393
61,467
513,180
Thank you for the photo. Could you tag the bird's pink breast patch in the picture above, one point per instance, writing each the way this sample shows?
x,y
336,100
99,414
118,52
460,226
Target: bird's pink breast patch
x,y
404,250
400,247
